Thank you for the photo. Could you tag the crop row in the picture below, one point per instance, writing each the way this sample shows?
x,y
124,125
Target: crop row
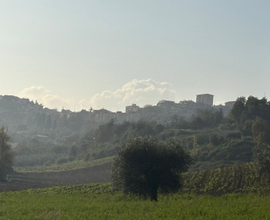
x,y
235,179
240,178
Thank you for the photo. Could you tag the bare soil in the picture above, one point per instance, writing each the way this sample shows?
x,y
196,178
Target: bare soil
x,y
22,181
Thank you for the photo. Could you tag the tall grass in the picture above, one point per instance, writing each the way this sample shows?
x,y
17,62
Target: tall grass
x,y
78,203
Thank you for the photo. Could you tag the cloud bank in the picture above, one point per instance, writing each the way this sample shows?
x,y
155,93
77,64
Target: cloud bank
x,y
46,97
140,92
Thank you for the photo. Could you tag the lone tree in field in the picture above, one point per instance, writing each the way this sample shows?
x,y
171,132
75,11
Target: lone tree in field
x,y
6,155
145,166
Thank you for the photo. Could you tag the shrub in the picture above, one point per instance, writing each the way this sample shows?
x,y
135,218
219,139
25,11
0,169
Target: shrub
x,y
62,160
234,135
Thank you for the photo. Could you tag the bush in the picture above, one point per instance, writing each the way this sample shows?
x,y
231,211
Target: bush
x,y
62,160
216,139
167,134
234,135
87,157
202,138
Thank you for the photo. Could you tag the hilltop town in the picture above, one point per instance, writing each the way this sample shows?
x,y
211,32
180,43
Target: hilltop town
x,y
22,114
27,120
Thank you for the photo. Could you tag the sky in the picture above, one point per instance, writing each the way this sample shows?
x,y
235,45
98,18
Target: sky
x,y
109,54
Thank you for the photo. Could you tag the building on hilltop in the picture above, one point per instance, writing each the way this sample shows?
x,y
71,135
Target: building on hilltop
x,y
132,108
230,104
205,99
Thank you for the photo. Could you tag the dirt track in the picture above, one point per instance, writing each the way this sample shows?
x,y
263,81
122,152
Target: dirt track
x,y
21,181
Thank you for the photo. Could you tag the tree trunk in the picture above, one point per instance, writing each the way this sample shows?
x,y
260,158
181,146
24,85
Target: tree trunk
x,y
2,179
154,195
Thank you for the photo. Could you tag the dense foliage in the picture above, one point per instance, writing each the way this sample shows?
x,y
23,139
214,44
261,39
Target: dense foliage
x,y
143,166
246,111
6,155
252,117
213,141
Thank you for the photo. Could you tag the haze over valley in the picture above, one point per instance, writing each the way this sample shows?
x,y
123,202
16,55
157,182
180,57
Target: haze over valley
x,y
134,109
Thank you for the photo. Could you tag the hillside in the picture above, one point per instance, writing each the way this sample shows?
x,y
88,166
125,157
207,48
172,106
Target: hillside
x,y
44,137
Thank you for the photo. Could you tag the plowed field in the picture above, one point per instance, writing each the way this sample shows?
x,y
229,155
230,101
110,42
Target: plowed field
x,y
21,181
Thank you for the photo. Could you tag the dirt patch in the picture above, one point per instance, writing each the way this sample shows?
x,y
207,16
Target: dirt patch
x,y
21,181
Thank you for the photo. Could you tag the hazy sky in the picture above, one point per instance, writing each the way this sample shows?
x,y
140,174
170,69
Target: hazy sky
x,y
82,54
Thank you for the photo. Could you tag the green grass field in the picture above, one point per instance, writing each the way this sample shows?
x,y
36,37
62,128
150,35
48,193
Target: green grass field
x,y
227,193
96,201
66,166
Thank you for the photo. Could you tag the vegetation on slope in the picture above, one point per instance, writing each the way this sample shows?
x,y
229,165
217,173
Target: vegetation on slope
x,y
73,165
213,141
207,143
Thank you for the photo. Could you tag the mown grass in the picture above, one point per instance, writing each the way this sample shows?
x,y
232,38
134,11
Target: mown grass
x,y
96,201
66,166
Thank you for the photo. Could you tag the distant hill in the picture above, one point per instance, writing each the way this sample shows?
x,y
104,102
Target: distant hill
x,y
26,119
43,136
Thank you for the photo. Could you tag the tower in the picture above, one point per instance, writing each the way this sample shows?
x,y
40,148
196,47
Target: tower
x,y
205,99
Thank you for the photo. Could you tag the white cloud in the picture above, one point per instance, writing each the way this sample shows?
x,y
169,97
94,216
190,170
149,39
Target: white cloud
x,y
140,92
45,97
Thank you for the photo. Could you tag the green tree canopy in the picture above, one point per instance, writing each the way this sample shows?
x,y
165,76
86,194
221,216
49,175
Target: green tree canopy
x,y
261,131
6,155
143,166
245,112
